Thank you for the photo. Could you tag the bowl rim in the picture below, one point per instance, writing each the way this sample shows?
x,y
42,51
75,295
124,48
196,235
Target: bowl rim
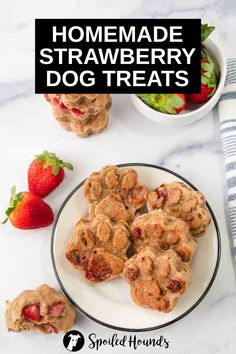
x,y
145,329
223,72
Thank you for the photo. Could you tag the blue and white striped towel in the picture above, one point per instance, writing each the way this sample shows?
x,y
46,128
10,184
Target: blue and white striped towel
x,y
227,114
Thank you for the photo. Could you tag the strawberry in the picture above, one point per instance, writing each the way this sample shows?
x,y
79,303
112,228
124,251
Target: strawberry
x,y
45,173
209,78
165,103
28,211
32,313
57,309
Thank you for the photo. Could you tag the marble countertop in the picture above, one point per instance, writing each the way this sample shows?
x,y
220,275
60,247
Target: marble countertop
x,y
26,128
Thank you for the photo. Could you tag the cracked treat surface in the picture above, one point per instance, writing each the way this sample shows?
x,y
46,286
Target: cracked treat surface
x,y
181,201
98,248
158,228
157,278
43,309
115,192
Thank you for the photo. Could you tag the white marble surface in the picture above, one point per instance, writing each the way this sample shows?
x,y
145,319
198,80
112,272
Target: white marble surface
x,y
26,127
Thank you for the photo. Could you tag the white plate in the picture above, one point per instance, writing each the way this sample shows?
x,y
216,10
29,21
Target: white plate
x,y
109,303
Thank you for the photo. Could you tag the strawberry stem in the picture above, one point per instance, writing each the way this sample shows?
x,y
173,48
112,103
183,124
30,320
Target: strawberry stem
x,y
206,31
14,201
51,159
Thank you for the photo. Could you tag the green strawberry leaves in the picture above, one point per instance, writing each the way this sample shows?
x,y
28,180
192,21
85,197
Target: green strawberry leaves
x,y
14,201
206,31
165,103
209,76
170,102
175,101
149,99
68,166
50,159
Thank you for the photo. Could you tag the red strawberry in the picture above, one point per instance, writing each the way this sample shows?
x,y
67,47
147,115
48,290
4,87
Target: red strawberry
x,y
165,103
57,309
28,211
45,173
204,96
32,313
209,78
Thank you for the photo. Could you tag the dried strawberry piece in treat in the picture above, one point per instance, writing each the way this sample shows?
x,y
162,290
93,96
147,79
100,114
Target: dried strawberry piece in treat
x,y
76,112
58,104
138,195
131,273
97,269
54,329
136,233
174,286
157,197
57,309
161,192
32,313
51,328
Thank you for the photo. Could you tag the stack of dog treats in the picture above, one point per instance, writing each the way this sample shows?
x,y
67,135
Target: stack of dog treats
x,y
83,114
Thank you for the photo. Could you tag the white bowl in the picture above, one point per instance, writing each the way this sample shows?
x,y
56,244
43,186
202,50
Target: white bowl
x,y
193,112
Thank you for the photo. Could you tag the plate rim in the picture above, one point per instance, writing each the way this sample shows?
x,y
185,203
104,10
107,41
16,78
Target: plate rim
x,y
145,329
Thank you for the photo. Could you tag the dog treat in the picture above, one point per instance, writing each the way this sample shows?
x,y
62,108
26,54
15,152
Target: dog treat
x,y
157,228
43,309
83,114
96,124
181,201
98,248
157,278
115,192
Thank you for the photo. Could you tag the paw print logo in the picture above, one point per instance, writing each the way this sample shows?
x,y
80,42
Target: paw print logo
x,y
73,341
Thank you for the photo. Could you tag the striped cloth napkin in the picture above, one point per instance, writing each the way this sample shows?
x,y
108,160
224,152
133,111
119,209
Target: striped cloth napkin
x,y
227,114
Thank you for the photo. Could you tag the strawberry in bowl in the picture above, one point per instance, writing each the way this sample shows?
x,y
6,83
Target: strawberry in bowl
x,y
209,77
165,103
183,109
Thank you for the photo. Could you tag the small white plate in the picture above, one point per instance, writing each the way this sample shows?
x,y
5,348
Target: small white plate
x,y
109,303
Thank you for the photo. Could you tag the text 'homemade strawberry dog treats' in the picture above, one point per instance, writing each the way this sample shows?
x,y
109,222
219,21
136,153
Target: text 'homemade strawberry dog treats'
x,y
84,114
115,192
42,309
181,201
157,278
157,228
98,248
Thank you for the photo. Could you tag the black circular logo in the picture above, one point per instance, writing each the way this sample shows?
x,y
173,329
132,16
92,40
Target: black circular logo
x,y
73,341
